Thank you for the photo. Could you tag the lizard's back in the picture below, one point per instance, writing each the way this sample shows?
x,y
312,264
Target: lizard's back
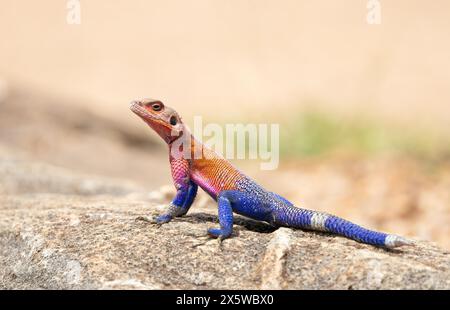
x,y
214,173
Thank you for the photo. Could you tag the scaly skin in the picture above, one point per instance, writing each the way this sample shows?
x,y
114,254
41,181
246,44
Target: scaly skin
x,y
233,190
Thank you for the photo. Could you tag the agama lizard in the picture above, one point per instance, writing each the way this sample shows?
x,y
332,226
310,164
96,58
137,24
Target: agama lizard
x,y
233,190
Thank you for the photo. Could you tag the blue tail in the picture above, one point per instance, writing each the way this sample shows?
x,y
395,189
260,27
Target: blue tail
x,y
302,218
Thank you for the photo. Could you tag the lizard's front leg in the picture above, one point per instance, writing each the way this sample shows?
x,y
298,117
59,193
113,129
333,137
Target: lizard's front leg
x,y
186,192
180,204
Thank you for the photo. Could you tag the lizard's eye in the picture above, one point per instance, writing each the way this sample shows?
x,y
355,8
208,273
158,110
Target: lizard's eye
x,y
157,107
173,120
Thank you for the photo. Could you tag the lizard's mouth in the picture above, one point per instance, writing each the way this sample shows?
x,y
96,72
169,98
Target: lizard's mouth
x,y
137,108
154,121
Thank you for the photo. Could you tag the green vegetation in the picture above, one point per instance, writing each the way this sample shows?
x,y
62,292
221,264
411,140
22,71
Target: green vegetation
x,y
314,133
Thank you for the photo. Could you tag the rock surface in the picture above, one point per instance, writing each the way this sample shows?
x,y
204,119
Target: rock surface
x,y
65,235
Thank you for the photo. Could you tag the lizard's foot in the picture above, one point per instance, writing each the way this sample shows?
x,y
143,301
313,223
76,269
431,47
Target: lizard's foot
x,y
162,219
219,233
158,221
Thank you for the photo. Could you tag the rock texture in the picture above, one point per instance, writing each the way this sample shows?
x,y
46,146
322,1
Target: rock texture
x,y
64,234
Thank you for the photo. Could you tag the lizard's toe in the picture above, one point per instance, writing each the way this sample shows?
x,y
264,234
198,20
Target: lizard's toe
x,y
214,232
162,219
158,221
219,233
219,243
143,218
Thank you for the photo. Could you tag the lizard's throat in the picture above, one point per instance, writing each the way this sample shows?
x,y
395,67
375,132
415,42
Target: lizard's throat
x,y
172,138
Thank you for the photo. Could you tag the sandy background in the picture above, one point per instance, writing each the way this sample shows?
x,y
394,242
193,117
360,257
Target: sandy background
x,y
213,56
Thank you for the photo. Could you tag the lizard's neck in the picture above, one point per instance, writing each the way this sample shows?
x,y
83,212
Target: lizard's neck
x,y
190,148
184,146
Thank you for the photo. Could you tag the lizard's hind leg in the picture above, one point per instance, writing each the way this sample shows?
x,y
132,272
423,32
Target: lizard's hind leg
x,y
242,203
225,218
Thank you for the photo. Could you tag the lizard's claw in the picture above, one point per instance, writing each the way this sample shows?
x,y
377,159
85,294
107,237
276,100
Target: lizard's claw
x,y
217,233
158,222
143,218
219,243
214,232
162,219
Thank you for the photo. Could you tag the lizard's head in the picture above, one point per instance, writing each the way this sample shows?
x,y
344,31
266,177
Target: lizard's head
x,y
162,119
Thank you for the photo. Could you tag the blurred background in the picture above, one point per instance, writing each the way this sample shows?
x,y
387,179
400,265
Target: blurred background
x,y
364,110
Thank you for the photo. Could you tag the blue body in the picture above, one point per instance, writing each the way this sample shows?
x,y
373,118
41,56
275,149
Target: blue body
x,y
251,200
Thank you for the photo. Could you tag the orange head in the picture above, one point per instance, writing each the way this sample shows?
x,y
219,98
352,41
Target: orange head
x,y
162,119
